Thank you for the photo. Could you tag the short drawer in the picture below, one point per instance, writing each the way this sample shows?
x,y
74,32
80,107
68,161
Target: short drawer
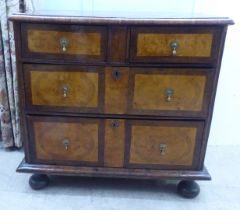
x,y
170,92
163,144
64,141
63,88
174,44
72,42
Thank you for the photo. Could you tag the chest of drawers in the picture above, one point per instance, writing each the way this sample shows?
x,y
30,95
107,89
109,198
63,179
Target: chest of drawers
x,y
117,97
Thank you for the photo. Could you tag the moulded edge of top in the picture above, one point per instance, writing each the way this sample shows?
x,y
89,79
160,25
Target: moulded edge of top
x,y
119,21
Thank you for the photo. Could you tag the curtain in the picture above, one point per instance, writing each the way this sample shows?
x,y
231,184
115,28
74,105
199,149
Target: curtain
x,y
9,111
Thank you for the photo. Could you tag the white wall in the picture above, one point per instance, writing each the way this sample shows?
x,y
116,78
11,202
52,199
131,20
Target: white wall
x,y
116,5
225,124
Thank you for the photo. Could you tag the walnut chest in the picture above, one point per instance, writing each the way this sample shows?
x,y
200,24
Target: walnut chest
x,y
117,97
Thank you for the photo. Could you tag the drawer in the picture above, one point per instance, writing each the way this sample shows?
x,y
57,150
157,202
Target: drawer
x,y
170,92
174,44
118,90
115,142
65,141
83,43
163,144
63,88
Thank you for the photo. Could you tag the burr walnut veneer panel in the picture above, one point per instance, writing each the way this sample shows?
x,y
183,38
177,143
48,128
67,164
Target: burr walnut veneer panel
x,y
63,140
190,45
150,91
163,143
48,88
83,43
63,86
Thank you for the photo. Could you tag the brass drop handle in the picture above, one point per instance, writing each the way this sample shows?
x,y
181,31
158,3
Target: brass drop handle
x,y
162,148
64,43
169,94
66,143
174,45
116,74
115,123
66,90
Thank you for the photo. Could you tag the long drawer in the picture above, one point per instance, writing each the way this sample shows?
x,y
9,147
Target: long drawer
x,y
118,90
115,142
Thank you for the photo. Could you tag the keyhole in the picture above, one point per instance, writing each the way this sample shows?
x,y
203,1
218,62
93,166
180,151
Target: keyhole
x,y
115,123
116,74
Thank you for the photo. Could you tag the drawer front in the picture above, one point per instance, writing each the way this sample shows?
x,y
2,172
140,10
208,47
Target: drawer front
x,y
163,144
174,44
180,92
118,143
65,140
69,42
63,88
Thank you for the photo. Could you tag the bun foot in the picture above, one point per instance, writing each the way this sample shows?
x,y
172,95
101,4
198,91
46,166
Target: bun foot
x,y
38,181
188,189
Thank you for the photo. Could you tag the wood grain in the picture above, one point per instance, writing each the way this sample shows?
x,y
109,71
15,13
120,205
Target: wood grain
x,y
146,140
114,143
190,45
118,44
116,90
149,91
82,136
80,43
47,88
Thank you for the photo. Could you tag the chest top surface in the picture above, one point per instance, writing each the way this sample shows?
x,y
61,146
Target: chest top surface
x,y
121,17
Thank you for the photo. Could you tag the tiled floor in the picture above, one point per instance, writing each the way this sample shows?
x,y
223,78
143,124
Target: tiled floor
x,y
222,193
